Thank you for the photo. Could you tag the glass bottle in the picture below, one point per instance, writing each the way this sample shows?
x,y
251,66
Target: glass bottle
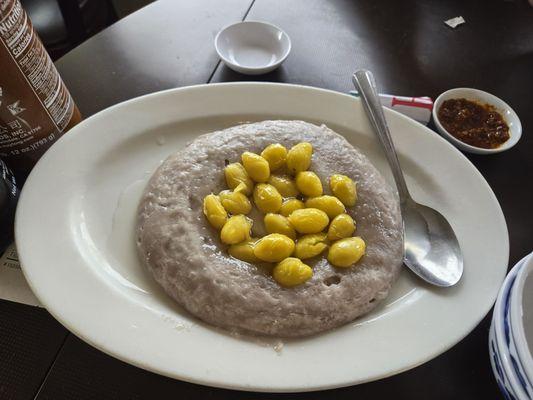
x,y
35,106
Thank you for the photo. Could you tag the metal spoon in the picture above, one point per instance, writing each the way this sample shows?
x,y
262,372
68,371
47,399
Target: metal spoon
x,y
431,249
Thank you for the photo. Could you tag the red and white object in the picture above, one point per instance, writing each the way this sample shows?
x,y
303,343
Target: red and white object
x,y
417,108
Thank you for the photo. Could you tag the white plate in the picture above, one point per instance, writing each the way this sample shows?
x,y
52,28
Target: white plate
x,y
74,232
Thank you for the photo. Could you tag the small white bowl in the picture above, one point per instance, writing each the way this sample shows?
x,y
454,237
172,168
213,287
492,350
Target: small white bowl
x,y
252,47
515,127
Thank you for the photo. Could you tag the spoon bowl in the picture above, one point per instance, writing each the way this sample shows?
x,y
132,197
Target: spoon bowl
x,y
431,249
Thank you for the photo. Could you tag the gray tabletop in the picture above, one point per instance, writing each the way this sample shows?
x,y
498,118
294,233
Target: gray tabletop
x,y
170,44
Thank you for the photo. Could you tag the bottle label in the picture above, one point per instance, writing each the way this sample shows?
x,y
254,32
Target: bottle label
x,y
35,105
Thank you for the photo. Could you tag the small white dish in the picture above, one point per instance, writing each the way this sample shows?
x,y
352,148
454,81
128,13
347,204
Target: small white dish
x,y
252,47
515,127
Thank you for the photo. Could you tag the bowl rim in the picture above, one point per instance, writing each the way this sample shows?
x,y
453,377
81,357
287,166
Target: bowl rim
x,y
516,320
511,142
499,305
280,60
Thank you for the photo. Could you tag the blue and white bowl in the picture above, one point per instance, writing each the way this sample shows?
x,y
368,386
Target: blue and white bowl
x,y
510,358
521,321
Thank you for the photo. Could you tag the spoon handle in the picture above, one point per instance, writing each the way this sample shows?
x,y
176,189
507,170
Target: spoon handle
x,y
365,84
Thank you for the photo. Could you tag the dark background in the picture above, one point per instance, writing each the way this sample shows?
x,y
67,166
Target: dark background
x,y
410,50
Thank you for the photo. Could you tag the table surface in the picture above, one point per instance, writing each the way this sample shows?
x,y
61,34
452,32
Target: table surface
x,y
170,44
